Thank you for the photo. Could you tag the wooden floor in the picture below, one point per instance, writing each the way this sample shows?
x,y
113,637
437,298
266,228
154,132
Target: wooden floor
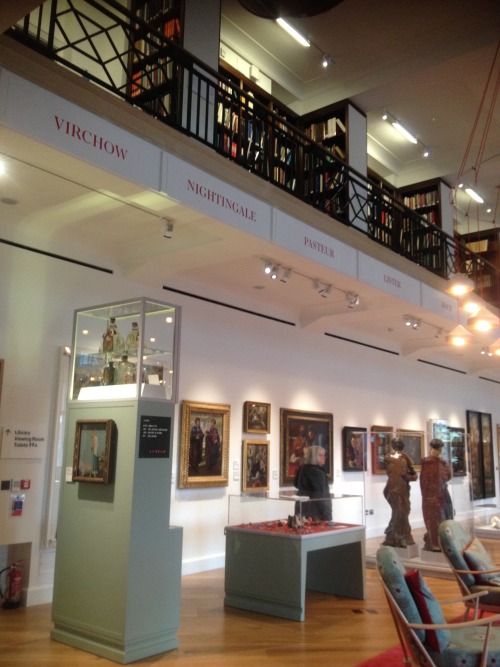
x,y
337,631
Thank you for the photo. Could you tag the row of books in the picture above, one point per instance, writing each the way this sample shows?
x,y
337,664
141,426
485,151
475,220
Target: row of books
x,y
151,10
151,76
421,199
331,127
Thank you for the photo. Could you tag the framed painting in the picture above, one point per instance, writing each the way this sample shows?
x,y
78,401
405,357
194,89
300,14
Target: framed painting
x,y
353,448
458,451
298,431
488,461
414,445
256,417
380,440
94,451
204,445
255,466
475,453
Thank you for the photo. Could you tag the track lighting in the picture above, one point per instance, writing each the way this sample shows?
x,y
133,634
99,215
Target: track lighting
x,y
486,352
274,273
323,289
411,322
409,136
168,229
352,299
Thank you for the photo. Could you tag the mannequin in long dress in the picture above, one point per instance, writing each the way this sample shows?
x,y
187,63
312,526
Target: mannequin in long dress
x,y
400,473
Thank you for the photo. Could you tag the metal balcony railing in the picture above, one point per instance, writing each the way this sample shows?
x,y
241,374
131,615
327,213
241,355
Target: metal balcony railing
x,y
132,58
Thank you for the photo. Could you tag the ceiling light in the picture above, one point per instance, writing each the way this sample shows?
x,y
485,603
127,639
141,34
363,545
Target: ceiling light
x,y
458,285
397,125
470,304
486,352
459,337
495,347
294,33
485,321
384,115
267,266
473,195
426,152
274,273
488,210
408,320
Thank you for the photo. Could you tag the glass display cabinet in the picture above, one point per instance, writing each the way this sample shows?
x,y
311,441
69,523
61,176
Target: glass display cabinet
x,y
125,350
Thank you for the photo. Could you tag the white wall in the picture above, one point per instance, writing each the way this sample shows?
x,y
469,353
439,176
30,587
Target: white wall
x,y
226,357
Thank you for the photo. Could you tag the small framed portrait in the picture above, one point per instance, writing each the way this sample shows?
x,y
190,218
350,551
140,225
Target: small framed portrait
x,y
256,417
298,431
414,446
353,448
458,451
255,466
204,445
380,441
94,451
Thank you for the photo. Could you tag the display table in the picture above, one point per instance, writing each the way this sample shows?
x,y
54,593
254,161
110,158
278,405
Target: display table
x,y
269,566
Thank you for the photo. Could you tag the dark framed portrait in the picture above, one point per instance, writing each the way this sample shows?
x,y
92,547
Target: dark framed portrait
x,y
353,448
298,431
255,466
380,441
256,417
414,445
94,451
204,445
458,451
480,433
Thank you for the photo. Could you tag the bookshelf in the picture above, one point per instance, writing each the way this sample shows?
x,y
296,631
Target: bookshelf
x,y
248,133
384,218
153,73
486,244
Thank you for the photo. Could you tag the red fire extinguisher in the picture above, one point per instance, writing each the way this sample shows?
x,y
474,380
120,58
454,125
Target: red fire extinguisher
x,y
13,588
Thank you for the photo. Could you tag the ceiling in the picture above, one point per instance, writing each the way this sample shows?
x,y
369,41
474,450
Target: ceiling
x,y
428,63
51,201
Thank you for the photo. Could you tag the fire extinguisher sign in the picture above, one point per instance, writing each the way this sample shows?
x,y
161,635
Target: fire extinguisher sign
x,y
17,504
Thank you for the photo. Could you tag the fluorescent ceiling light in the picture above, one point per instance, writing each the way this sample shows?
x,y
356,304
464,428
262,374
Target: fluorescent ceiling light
x,y
294,33
473,195
404,132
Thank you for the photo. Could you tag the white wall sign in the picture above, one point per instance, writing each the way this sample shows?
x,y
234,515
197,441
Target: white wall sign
x,y
208,194
63,125
23,442
390,280
302,239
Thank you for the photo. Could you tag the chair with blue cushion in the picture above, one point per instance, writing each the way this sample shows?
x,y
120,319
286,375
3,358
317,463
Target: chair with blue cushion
x,y
425,636
472,566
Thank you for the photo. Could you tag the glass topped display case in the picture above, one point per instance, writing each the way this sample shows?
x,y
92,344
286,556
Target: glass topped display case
x,y
125,350
287,512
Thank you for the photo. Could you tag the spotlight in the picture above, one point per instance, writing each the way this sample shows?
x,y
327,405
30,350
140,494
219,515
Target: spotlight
x,y
168,230
274,273
322,289
408,320
459,284
267,266
285,275
352,299
459,336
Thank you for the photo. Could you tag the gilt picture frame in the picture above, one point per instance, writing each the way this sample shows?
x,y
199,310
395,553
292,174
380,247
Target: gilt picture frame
x,y
380,442
256,417
414,445
94,451
300,429
204,445
255,476
353,449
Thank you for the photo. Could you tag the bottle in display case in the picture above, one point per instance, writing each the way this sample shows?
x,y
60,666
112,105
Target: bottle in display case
x,y
111,366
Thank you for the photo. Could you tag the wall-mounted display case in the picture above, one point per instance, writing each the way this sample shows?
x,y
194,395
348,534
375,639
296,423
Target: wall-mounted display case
x,y
125,350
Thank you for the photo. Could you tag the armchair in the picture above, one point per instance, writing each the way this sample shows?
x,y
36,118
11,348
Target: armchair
x,y
425,636
471,565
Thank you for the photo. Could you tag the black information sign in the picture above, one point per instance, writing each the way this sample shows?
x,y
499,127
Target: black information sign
x,y
154,438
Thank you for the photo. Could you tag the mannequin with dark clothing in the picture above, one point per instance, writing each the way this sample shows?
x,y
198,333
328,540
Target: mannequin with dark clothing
x,y
311,481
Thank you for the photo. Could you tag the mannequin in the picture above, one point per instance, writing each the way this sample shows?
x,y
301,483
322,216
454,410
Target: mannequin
x,y
436,500
400,473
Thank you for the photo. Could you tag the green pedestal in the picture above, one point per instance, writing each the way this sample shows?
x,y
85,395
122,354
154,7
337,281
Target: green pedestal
x,y
118,562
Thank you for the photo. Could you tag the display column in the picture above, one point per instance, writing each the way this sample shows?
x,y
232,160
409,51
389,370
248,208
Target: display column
x,y
118,561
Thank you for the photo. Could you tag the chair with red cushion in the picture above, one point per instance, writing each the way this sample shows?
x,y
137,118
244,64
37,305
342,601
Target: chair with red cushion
x,y
471,565
425,636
